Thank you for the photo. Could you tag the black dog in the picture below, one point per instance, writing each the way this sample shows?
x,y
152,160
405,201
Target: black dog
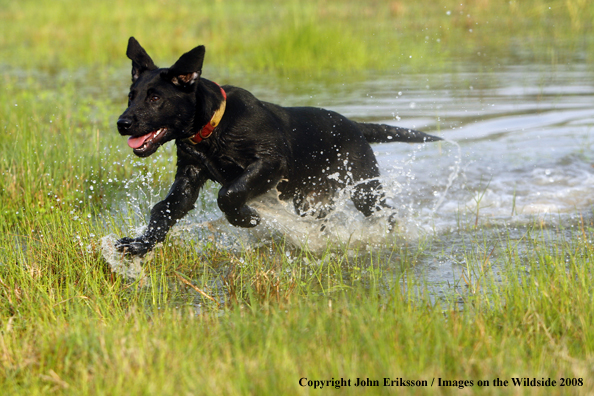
x,y
248,146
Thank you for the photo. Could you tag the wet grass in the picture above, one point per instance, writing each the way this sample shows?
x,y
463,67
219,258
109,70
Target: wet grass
x,y
256,320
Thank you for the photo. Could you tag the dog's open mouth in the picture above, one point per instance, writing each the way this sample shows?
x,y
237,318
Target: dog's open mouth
x,y
147,144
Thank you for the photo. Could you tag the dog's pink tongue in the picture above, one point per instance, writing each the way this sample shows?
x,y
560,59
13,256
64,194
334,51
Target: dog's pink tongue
x,y
137,141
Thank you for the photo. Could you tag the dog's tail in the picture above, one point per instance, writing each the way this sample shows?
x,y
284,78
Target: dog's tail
x,y
381,133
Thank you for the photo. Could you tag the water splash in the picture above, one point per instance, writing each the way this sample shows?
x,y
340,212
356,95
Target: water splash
x,y
281,225
343,227
128,267
452,177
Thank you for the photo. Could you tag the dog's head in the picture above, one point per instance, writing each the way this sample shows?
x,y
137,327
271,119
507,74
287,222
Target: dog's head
x,y
162,102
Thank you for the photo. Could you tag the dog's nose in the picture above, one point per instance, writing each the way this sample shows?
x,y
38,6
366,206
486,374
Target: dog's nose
x,y
124,124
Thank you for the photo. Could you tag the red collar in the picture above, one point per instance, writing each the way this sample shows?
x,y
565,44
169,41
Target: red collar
x,y
207,129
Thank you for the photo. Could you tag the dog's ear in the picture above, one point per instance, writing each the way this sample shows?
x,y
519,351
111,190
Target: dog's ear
x,y
141,62
188,68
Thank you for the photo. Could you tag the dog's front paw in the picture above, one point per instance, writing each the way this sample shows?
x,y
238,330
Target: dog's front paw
x,y
133,246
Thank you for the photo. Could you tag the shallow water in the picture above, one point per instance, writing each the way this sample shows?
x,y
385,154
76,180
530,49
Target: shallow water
x,y
524,135
518,148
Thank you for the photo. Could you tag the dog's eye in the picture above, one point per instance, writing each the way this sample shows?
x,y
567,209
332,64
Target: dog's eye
x,y
154,98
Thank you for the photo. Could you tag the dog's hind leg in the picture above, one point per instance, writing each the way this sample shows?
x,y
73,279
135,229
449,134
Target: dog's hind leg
x,y
369,198
368,193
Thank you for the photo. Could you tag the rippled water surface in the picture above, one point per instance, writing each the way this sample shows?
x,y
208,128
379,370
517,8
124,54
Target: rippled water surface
x,y
524,135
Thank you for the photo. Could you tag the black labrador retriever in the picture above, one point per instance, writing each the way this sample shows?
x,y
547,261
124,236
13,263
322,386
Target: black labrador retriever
x,y
246,145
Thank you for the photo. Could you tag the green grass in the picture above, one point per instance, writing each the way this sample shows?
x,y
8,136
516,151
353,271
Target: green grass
x,y
71,327
299,36
215,321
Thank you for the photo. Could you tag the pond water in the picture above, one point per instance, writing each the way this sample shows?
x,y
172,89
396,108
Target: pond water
x,y
518,148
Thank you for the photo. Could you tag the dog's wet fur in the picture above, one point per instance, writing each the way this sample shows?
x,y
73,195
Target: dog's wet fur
x,y
308,154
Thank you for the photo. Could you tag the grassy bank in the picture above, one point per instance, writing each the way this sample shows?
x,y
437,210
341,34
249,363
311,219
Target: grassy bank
x,y
215,321
303,36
